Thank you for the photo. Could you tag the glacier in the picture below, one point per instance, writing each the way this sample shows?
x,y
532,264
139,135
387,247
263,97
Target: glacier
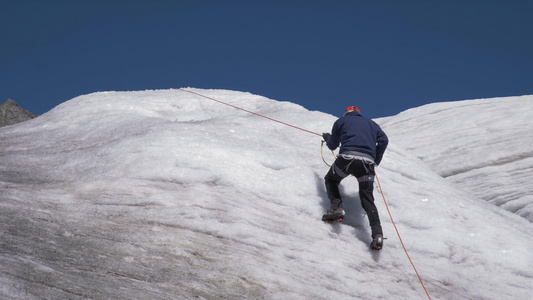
x,y
163,194
484,146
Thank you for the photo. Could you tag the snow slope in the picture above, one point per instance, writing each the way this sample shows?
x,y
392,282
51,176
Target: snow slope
x,y
484,146
167,195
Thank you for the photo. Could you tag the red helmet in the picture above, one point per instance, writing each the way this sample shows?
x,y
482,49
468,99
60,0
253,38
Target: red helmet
x,y
350,109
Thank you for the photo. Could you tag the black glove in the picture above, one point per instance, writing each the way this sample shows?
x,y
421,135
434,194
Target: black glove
x,y
326,136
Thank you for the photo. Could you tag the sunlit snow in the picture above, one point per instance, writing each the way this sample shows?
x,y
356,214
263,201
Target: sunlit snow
x,y
168,195
484,146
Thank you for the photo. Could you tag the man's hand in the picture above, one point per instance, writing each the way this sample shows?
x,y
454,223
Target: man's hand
x,y
326,136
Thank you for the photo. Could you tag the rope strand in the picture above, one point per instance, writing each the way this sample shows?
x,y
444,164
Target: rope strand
x,y
251,112
400,237
379,184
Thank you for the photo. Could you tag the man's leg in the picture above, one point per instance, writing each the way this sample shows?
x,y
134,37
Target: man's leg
x,y
364,172
333,179
367,201
332,187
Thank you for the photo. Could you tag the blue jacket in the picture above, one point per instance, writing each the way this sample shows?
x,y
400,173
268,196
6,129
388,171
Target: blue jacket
x,y
357,133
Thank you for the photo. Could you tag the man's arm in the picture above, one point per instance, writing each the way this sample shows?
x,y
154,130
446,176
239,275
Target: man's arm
x,y
382,143
333,140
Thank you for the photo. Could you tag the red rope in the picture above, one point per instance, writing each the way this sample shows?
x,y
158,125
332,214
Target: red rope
x,y
379,184
398,233
251,112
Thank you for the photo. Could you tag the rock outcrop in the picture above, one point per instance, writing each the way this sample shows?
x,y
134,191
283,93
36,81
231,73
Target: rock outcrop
x,y
12,113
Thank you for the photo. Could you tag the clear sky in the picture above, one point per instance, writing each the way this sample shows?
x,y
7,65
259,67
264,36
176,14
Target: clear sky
x,y
383,56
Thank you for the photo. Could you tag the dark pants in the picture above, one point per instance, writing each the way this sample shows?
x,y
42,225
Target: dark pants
x,y
364,172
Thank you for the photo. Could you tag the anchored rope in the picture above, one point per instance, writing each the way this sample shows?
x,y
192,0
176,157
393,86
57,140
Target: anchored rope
x,y
322,153
251,112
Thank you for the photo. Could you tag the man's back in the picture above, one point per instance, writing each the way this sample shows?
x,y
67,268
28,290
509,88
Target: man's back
x,y
357,133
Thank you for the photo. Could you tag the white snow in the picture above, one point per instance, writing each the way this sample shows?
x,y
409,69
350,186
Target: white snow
x,y
484,146
167,195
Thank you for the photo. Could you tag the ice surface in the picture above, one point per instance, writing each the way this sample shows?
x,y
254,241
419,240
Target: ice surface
x,y
167,195
484,146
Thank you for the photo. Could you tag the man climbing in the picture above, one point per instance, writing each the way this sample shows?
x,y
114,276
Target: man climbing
x,y
362,146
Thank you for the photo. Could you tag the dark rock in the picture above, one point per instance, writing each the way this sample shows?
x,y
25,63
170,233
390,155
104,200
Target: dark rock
x,y
12,113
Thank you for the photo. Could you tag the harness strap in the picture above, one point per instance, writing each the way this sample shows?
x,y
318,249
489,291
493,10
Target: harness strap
x,y
357,155
366,162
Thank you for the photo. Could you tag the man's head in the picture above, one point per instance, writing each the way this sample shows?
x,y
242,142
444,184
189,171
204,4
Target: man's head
x,y
350,109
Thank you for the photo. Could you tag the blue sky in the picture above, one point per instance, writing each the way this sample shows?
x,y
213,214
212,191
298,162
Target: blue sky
x,y
383,56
